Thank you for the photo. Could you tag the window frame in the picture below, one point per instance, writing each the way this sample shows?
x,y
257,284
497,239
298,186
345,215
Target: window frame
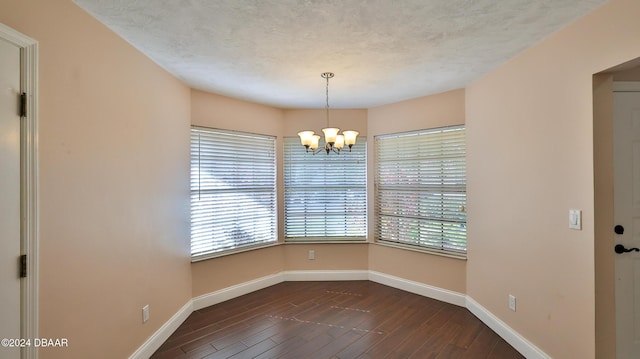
x,y
293,235
418,186
265,184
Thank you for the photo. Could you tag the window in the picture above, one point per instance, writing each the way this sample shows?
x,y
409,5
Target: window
x,y
421,189
233,190
325,195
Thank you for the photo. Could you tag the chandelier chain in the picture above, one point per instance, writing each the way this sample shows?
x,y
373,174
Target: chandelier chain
x,y
327,96
334,142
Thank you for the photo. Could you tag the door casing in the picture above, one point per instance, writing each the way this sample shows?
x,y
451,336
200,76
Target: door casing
x,y
29,184
625,89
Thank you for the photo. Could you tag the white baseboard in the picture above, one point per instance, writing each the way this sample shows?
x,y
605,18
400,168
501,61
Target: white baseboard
x,y
512,337
161,335
321,275
225,294
422,289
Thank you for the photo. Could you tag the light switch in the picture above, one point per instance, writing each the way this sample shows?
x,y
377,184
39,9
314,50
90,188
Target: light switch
x,y
575,219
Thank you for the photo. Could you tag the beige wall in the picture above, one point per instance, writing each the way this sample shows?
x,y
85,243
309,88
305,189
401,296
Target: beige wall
x,y
444,109
114,139
632,74
315,120
216,111
530,159
352,256
434,270
113,152
222,272
218,273
440,110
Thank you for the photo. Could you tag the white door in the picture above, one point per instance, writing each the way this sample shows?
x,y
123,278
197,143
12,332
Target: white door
x,y
627,220
9,196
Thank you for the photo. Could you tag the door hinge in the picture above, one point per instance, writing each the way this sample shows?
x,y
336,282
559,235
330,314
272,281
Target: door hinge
x,y
23,104
23,266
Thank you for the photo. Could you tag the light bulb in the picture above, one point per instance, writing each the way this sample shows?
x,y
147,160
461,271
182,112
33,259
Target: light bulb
x,y
339,142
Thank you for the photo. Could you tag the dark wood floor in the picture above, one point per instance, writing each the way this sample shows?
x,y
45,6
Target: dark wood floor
x,y
353,319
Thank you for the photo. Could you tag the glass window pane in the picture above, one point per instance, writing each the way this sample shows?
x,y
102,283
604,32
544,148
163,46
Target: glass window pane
x,y
233,190
325,195
421,189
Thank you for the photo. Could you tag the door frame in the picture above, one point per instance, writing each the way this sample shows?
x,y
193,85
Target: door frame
x,y
619,87
626,86
28,184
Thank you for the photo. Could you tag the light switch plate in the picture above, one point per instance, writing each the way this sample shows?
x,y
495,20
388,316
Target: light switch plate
x,y
145,313
575,219
512,302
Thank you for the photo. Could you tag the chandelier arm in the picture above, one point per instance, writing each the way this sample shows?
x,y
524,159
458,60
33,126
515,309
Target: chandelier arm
x,y
333,141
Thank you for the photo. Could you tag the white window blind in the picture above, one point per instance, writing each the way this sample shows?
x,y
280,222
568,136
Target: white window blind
x,y
325,195
421,189
233,190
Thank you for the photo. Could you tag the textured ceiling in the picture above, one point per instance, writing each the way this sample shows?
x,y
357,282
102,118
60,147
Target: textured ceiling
x,y
382,51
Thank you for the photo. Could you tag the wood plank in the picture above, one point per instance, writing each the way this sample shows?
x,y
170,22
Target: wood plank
x,y
334,319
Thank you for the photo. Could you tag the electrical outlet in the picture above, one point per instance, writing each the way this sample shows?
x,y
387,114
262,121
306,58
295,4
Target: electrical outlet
x,y
312,254
512,302
145,313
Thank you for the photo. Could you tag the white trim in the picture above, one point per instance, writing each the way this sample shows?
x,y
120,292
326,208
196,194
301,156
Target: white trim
x,y
161,335
15,37
520,343
626,86
322,275
507,333
204,257
422,289
237,290
29,184
419,249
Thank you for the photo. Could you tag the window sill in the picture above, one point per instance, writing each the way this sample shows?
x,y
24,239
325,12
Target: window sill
x,y
204,257
229,252
339,240
435,252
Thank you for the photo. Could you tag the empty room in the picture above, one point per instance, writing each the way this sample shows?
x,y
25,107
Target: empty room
x,y
319,179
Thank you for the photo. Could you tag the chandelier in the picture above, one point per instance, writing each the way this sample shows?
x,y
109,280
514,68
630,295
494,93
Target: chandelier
x,y
333,142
